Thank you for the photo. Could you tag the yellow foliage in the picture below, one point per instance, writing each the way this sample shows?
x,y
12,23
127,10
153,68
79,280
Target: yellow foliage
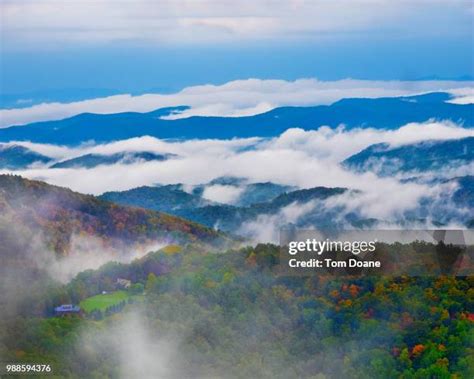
x,y
210,284
346,303
228,277
444,314
172,249
334,293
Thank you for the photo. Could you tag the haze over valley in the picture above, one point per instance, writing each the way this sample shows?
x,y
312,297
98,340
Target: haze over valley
x,y
167,166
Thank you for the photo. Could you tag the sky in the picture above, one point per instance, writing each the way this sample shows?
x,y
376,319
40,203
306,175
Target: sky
x,y
60,58
61,47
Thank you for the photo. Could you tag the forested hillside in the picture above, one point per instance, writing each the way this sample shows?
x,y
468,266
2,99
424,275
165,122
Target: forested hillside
x,y
259,199
229,315
59,213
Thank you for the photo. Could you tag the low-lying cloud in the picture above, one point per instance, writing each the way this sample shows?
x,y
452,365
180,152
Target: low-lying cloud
x,y
423,211
298,158
222,193
89,252
236,98
462,96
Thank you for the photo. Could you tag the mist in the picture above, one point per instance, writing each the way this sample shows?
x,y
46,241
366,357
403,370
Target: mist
x,y
306,159
133,346
427,211
90,252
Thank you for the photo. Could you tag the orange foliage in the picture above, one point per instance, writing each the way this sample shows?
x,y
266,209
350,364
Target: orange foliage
x,y
346,303
354,290
418,349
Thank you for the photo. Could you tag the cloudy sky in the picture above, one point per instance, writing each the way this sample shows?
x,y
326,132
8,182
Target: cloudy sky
x,y
164,46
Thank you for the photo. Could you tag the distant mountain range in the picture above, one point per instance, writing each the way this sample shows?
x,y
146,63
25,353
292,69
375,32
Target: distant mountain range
x,y
464,195
169,198
381,113
252,193
420,157
255,198
94,160
15,157
230,218
258,199
136,216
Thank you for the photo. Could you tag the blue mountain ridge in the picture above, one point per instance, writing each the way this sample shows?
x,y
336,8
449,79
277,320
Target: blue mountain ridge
x,y
15,157
94,160
259,199
172,197
380,113
423,156
273,198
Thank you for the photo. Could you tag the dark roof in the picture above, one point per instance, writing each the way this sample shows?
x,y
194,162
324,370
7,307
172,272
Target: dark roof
x,y
67,308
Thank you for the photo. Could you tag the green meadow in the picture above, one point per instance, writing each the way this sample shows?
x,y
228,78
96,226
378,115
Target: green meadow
x,y
102,302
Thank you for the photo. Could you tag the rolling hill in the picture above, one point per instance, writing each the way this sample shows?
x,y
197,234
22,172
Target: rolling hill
x,y
464,194
316,212
59,214
424,156
173,198
228,218
382,113
15,157
94,160
166,198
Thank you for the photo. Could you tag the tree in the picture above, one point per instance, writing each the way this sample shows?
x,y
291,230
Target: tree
x,y
137,288
151,282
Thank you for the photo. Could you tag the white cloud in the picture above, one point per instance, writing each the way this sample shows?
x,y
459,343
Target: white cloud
x,y
89,252
462,96
266,228
137,347
222,194
52,151
51,23
296,158
338,144
236,98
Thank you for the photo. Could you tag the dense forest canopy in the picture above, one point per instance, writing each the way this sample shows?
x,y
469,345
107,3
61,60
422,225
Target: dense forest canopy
x,y
193,312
